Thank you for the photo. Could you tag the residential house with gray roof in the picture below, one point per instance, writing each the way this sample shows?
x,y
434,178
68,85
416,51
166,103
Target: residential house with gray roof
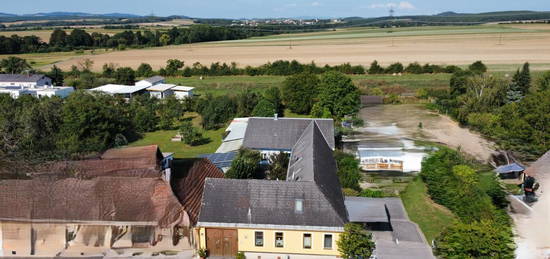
x,y
303,215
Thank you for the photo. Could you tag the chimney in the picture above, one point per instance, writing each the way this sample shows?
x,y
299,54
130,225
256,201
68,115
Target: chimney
x,y
276,116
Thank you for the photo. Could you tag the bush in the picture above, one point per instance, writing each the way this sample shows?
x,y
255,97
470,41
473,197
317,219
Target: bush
x,y
483,239
372,193
190,135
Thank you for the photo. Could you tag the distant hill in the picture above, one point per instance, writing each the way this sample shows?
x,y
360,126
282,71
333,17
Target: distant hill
x,y
448,18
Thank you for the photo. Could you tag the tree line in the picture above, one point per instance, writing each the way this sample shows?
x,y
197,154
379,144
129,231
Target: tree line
x,y
483,227
79,39
514,111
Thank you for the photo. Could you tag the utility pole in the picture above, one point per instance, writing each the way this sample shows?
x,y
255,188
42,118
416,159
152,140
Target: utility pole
x,y
290,44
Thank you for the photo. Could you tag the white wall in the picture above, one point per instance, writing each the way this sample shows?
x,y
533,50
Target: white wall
x,y
182,94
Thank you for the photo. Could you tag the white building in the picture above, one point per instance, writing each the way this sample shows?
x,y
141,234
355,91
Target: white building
x,y
182,92
151,81
126,91
16,92
161,91
26,81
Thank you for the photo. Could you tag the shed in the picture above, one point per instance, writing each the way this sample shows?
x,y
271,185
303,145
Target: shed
x,y
510,171
182,92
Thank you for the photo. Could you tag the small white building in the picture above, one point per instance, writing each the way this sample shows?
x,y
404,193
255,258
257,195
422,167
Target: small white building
x,y
151,81
26,81
161,91
126,91
182,92
60,91
50,91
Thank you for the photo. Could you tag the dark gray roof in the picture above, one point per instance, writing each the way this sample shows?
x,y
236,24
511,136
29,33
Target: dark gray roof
x,y
312,160
367,210
20,77
154,79
282,133
266,202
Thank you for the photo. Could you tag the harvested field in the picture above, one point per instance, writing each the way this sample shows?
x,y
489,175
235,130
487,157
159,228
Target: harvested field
x,y
494,45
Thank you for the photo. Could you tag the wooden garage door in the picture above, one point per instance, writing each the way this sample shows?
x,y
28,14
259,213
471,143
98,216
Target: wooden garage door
x,y
221,242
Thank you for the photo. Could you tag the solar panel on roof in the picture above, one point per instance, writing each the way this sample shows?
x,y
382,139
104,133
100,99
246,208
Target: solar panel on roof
x,y
220,159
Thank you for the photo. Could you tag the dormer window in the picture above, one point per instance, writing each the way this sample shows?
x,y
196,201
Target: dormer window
x,y
299,206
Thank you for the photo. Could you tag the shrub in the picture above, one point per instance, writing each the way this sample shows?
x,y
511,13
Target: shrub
x,y
483,239
190,135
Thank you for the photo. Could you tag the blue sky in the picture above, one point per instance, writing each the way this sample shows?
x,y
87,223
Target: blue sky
x,y
272,8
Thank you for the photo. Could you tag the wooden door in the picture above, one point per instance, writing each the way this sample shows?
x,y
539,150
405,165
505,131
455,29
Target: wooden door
x,y
229,242
214,241
221,242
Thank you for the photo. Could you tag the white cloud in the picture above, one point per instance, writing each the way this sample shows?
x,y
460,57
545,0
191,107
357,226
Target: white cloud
x,y
291,5
401,5
315,4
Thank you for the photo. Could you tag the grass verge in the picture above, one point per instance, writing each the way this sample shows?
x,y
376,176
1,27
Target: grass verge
x,y
430,217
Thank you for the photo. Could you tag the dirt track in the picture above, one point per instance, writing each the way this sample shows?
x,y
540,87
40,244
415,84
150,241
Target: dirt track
x,y
435,128
516,48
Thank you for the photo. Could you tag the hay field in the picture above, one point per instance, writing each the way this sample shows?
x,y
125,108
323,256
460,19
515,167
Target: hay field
x,y
502,46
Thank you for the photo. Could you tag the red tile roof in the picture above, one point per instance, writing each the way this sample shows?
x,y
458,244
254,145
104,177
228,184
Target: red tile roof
x,y
189,189
111,199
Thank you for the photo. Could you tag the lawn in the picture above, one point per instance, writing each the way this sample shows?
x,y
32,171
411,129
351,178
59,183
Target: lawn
x,y
180,149
431,217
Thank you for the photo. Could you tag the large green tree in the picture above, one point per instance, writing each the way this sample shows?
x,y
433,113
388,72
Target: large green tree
x,y
338,94
348,170
355,242
14,65
92,121
125,76
264,108
300,91
246,165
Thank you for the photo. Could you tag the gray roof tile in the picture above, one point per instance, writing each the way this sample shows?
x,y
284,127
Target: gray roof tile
x,y
20,77
282,133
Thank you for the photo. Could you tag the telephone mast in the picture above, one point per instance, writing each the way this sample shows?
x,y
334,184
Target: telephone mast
x,y
392,12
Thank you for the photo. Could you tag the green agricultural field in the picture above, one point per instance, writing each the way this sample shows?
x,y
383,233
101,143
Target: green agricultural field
x,y
222,85
369,32
430,217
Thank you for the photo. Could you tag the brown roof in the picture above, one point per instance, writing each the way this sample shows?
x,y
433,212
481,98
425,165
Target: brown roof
x,y
189,189
110,199
121,162
541,167
149,154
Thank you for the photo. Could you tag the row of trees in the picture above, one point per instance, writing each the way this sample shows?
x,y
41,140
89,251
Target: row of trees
x,y
483,229
60,40
50,128
513,111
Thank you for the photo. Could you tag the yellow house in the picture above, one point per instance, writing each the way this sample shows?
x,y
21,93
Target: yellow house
x,y
301,217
